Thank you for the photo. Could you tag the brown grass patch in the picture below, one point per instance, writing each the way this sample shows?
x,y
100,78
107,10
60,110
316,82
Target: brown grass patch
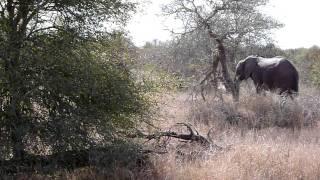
x,y
260,140
271,154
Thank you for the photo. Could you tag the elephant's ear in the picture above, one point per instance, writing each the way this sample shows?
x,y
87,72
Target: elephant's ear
x,y
250,65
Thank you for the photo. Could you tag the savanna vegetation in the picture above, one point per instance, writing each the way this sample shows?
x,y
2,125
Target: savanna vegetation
x,y
79,100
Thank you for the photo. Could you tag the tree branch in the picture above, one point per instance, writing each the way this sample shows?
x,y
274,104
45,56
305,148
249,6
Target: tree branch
x,y
193,136
3,9
33,13
40,29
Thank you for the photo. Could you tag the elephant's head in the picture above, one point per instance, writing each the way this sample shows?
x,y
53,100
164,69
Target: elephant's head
x,y
246,67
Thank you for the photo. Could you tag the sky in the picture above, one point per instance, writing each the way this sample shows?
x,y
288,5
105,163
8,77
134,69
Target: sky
x,y
300,17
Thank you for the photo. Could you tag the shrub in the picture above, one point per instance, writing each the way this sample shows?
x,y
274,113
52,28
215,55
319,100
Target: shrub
x,y
74,95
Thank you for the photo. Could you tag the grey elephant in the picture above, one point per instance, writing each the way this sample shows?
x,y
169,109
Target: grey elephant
x,y
274,74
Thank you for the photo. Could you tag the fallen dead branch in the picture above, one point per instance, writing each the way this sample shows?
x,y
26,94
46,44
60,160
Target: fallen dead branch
x,y
193,136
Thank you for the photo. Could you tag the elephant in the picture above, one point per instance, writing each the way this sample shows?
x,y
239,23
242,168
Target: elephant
x,y
273,74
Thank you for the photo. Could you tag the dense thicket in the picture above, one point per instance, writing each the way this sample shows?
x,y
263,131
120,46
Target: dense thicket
x,y
64,82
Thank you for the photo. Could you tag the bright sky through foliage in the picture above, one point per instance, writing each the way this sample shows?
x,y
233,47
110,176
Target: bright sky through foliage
x,y
301,19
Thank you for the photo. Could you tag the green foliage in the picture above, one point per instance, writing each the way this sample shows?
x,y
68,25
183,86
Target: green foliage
x,y
74,92
154,70
160,80
308,62
64,76
314,57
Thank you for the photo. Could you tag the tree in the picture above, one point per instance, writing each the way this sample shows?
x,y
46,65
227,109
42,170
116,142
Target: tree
x,y
307,61
239,22
64,81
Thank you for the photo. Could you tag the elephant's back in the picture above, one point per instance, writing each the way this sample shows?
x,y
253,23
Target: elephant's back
x,y
266,62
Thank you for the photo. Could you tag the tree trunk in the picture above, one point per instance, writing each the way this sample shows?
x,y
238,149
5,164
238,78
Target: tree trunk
x,y
15,103
232,86
14,112
12,70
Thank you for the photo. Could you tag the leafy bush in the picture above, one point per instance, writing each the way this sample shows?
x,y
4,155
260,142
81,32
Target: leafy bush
x,y
75,94
308,64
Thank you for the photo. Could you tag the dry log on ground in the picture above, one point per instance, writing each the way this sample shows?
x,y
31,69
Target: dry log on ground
x,y
193,136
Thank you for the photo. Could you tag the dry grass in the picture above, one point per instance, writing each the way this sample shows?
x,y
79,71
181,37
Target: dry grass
x,y
270,154
260,140
256,111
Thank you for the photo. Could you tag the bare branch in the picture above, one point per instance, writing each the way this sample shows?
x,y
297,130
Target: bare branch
x,y
193,136
27,19
41,29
